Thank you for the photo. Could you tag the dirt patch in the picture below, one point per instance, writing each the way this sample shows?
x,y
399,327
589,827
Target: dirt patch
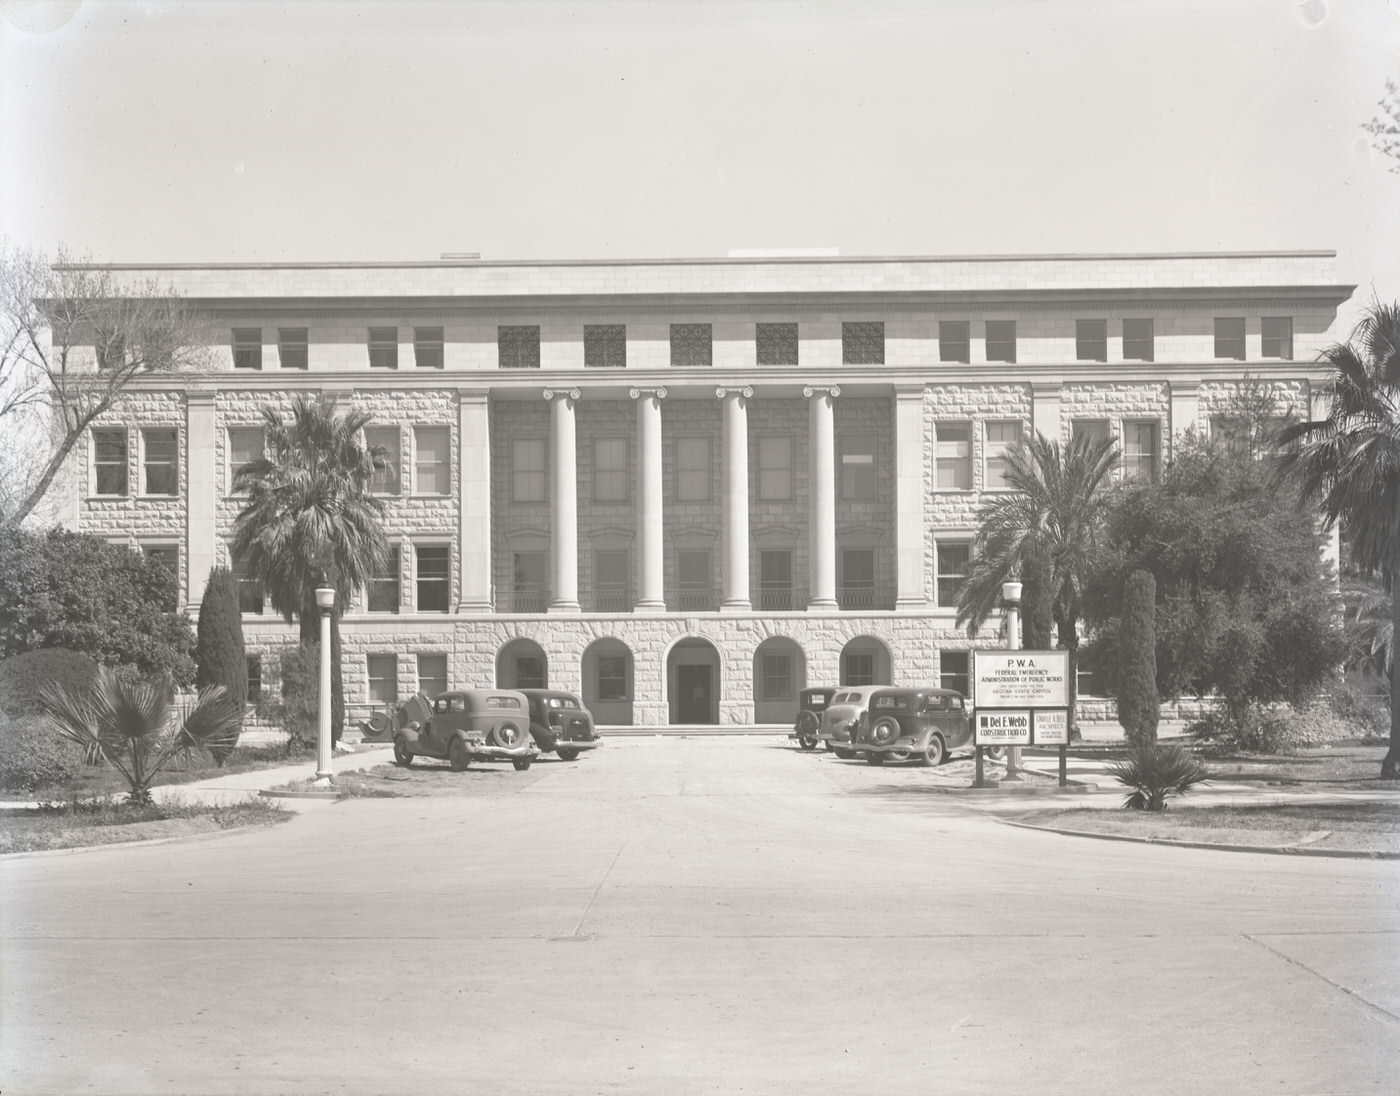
x,y
427,777
75,826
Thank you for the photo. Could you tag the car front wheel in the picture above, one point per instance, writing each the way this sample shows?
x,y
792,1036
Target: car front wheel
x,y
402,754
457,755
935,752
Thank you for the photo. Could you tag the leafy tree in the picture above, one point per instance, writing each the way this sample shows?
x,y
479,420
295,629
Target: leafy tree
x,y
1136,688
219,654
1054,513
1384,128
62,589
1349,462
295,707
310,518
73,335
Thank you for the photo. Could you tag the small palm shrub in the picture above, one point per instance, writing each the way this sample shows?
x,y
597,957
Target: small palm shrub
x,y
1154,772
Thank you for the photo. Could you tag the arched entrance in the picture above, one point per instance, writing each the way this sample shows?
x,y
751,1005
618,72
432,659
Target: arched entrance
x,y
692,682
607,682
521,664
865,661
779,674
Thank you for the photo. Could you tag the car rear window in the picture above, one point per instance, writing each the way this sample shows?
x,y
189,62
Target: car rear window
x,y
817,701
891,704
503,702
562,702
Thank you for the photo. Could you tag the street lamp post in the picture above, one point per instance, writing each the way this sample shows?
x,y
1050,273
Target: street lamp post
x,y
325,602
1011,596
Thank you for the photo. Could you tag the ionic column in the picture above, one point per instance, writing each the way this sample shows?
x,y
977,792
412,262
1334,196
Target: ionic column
x,y
474,501
563,502
909,525
202,492
736,498
821,495
651,593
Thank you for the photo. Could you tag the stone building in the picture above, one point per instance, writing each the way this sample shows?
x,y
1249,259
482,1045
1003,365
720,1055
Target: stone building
x,y
685,488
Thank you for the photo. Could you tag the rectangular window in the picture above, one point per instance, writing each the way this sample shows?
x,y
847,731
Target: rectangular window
x,y
953,558
857,590
1276,337
109,462
383,347
953,671
518,346
775,579
858,467
612,580
245,445
857,669
777,677
1001,340
694,580
612,677
1140,451
434,577
432,674
1139,343
691,344
427,347
1091,340
160,462
168,556
527,474
432,463
1229,337
954,341
605,346
953,454
250,589
252,665
610,470
529,591
385,481
291,347
247,347
692,469
776,343
1092,430
1001,438
383,671
774,467
863,343
383,593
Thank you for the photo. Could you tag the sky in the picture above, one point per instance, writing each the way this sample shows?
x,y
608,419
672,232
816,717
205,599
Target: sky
x,y
216,131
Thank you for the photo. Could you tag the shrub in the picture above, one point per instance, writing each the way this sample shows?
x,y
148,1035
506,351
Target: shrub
x,y
1245,732
1137,665
219,653
1155,772
24,676
296,707
1314,724
32,755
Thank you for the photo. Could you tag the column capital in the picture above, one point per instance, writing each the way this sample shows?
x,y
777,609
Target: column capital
x,y
473,395
832,391
562,393
910,391
638,393
201,396
746,392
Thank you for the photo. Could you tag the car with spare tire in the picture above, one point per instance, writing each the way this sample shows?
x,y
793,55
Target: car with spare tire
x,y
469,725
811,703
559,723
842,716
920,724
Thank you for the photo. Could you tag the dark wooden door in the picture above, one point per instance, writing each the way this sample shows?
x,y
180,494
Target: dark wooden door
x,y
693,704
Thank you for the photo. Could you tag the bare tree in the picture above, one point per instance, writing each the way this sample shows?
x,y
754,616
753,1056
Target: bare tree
x,y
73,335
1384,128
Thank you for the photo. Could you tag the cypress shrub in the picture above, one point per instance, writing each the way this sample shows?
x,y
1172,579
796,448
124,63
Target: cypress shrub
x,y
1037,605
1137,662
219,655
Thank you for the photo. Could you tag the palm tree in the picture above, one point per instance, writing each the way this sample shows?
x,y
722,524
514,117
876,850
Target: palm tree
x,y
310,517
1051,525
130,723
1349,463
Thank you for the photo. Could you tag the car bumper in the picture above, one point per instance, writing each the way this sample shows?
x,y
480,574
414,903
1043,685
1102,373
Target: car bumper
x,y
478,752
571,744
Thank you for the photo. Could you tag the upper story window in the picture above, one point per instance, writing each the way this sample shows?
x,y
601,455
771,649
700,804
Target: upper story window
x,y
383,347
1138,342
953,671
775,578
694,580
953,456
692,344
427,347
1141,450
776,343
1001,340
245,445
385,481
1094,430
954,341
252,666
612,580
291,347
1001,437
432,674
383,674
858,467
247,347
1276,337
160,461
432,464
518,346
605,346
383,592
863,343
775,467
109,466
168,556
527,475
250,589
1229,337
952,559
1091,340
692,469
434,577
610,470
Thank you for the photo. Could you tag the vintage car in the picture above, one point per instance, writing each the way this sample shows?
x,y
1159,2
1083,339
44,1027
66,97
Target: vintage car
x,y
469,725
811,704
841,716
560,723
923,723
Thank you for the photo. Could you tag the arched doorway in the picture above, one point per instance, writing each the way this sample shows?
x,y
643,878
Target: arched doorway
x,y
779,674
865,661
692,682
521,664
607,682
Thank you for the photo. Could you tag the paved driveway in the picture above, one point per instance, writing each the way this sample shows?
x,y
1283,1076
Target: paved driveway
x,y
714,915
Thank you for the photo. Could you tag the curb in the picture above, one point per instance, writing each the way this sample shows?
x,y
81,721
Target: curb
x,y
1277,850
183,839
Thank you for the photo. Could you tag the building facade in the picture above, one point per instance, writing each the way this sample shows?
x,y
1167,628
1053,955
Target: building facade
x,y
684,489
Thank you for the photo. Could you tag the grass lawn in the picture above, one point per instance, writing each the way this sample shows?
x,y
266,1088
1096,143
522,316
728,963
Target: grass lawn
x,y
104,822
1353,764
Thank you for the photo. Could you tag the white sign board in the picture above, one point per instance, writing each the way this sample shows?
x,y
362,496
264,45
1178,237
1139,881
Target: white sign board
x,y
1051,728
1003,728
1020,679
